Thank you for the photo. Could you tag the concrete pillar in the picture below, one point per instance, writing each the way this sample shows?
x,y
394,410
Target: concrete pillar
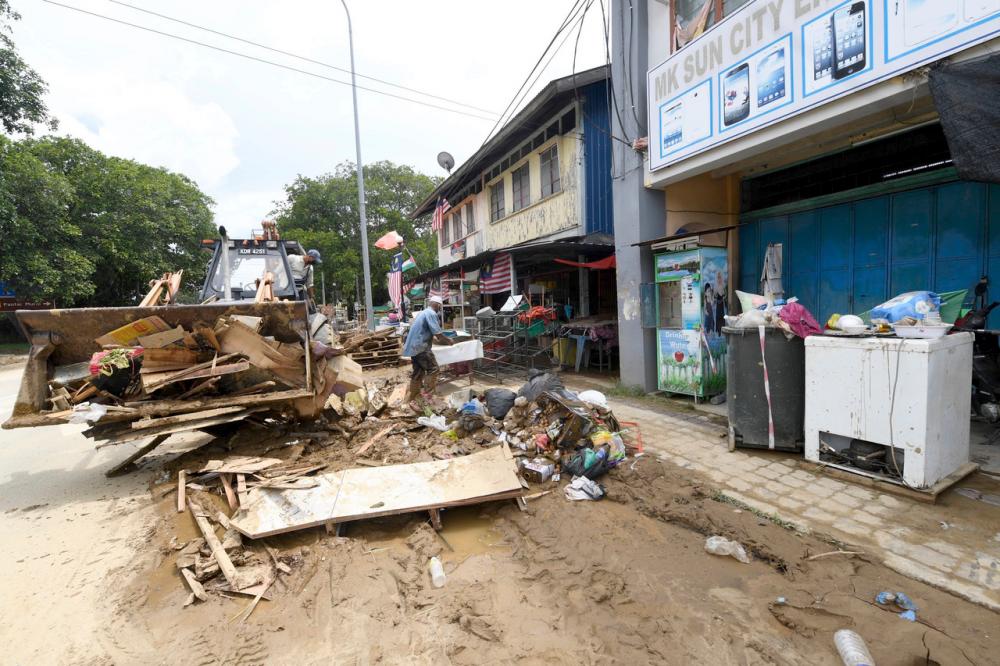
x,y
583,275
638,212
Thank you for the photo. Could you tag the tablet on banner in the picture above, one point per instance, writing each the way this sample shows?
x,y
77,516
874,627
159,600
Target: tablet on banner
x,y
773,59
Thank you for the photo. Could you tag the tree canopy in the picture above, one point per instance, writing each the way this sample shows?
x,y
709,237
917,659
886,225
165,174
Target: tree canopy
x,y
21,88
85,229
322,213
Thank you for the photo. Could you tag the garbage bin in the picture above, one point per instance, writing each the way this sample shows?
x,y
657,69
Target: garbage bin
x,y
745,395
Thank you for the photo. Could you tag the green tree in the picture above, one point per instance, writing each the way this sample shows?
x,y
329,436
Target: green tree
x,y
42,256
322,213
135,222
21,88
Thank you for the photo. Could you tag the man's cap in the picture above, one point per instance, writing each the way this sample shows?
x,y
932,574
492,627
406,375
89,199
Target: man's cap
x,y
436,299
316,256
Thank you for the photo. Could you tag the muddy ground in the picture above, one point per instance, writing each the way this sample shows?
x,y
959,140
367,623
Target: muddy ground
x,y
621,581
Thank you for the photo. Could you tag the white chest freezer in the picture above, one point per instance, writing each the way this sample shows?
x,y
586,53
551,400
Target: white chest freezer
x,y
865,395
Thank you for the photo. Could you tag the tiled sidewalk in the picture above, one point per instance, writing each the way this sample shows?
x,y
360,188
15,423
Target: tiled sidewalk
x,y
961,556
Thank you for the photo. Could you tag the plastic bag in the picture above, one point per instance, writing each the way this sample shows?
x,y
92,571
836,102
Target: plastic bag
x,y
87,413
915,304
583,488
499,401
474,407
800,320
538,383
437,422
588,462
594,399
719,545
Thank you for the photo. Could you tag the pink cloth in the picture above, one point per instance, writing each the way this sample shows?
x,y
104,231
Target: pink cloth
x,y
800,320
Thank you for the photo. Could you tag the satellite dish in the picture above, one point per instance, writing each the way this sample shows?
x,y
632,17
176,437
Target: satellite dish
x,y
446,161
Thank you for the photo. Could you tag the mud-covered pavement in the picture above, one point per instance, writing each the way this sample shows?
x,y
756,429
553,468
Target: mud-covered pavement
x,y
625,580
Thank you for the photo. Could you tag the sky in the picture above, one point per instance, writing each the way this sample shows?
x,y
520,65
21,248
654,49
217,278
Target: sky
x,y
243,129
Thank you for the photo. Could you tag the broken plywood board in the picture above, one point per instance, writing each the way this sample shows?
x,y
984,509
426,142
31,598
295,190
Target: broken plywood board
x,y
369,492
181,427
183,418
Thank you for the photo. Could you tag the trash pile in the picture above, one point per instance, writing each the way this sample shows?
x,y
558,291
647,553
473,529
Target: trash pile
x,y
372,350
153,380
786,314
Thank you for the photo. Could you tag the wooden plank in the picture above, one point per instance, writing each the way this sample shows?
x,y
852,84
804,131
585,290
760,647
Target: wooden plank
x,y
374,438
177,376
155,381
227,485
162,339
181,495
198,389
155,358
369,492
225,564
196,588
239,465
164,408
862,478
140,452
241,488
182,427
182,418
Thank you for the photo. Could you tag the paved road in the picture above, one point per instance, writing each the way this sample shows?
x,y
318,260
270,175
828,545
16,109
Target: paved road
x,y
65,527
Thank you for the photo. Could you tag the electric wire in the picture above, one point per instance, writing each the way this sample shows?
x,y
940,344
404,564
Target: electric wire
x,y
566,21
577,90
267,62
299,57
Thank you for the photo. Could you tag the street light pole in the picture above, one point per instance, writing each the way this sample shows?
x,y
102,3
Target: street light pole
x,y
361,181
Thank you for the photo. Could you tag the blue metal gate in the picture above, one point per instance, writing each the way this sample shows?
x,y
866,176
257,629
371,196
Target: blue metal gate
x,y
849,257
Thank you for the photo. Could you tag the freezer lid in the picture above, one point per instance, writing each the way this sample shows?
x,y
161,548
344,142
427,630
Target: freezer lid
x,y
910,345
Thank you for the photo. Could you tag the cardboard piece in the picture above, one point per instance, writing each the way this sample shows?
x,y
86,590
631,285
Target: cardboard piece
x,y
129,333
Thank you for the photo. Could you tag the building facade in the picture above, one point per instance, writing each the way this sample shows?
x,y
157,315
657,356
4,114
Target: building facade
x,y
538,190
826,127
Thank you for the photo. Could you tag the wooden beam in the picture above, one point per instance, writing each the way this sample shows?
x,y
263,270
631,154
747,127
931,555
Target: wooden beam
x,y
241,488
227,485
196,588
181,483
182,418
225,564
371,441
140,452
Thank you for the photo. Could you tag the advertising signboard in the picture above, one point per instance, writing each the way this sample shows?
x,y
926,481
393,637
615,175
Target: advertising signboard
x,y
774,59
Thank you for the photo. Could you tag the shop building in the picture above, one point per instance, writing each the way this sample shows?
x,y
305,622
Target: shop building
x,y
831,128
530,212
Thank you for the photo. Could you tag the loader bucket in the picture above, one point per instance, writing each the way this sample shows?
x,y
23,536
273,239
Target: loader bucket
x,y
61,337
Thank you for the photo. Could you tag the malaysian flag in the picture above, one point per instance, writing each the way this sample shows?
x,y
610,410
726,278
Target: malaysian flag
x,y
396,280
442,207
438,290
494,278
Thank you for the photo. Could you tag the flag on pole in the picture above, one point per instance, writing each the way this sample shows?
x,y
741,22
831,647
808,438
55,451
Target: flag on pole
x,y
396,279
494,278
390,241
409,264
442,207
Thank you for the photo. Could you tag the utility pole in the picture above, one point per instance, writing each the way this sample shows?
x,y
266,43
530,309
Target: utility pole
x,y
361,180
322,281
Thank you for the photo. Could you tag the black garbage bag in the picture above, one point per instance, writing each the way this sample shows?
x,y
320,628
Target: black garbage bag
x,y
498,402
538,383
588,462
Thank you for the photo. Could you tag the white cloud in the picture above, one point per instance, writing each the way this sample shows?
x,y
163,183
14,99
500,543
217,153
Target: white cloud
x,y
241,211
148,120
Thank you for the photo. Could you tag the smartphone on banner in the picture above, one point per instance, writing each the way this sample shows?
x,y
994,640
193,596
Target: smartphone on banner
x,y
771,77
673,125
823,51
736,94
977,9
849,54
925,19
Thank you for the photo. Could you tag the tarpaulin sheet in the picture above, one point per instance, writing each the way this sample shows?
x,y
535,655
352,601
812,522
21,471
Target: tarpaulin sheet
x,y
966,95
600,264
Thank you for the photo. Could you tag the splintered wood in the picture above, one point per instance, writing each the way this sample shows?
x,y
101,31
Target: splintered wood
x,y
369,492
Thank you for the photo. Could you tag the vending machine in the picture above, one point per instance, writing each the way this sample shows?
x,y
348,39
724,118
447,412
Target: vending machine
x,y
692,287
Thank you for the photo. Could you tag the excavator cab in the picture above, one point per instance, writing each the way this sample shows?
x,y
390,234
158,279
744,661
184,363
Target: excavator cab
x,y
244,262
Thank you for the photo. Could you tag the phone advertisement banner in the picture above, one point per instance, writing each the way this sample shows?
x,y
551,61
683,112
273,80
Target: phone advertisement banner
x,y
774,59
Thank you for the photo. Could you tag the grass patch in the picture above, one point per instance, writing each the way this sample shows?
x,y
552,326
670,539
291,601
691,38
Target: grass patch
x,y
720,496
14,347
620,390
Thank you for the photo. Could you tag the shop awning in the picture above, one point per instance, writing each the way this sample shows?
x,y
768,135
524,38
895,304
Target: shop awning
x,y
599,265
687,234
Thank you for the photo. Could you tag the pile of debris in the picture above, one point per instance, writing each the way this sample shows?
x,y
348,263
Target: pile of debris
x,y
152,380
372,350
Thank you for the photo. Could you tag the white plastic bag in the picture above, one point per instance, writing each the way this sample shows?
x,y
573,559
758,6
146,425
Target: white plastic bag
x,y
437,422
88,413
718,545
594,398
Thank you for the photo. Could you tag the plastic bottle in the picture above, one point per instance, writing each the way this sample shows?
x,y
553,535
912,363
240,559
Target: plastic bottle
x,y
438,579
852,649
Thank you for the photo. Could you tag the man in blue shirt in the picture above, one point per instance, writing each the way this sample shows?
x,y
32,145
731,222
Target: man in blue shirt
x,y
426,328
